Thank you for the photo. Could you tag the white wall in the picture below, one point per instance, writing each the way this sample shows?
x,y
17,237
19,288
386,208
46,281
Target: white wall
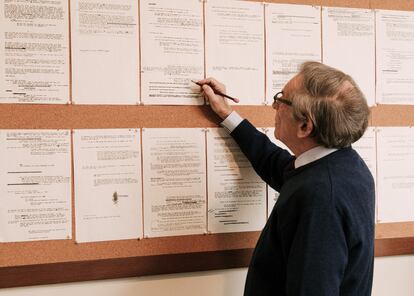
x,y
393,276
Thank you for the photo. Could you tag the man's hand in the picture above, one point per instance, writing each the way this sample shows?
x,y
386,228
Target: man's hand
x,y
218,103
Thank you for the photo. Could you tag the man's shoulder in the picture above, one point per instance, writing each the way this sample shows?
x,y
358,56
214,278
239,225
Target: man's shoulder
x,y
330,179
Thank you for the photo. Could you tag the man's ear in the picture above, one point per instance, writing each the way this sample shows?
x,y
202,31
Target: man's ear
x,y
304,128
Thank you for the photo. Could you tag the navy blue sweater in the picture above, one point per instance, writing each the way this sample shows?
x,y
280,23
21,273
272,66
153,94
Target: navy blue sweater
x,y
319,238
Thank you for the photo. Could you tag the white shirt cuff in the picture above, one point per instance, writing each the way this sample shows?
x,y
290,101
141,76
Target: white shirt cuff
x,y
231,121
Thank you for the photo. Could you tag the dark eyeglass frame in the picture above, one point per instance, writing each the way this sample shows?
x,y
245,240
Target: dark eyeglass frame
x,y
278,98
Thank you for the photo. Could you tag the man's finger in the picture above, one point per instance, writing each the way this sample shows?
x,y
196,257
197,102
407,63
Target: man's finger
x,y
213,83
208,90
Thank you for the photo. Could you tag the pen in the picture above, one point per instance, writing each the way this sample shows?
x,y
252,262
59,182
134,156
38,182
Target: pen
x,y
218,93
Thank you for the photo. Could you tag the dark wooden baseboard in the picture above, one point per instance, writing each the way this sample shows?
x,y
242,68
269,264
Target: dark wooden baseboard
x,y
54,273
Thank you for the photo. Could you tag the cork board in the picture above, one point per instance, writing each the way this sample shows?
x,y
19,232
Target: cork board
x,y
45,262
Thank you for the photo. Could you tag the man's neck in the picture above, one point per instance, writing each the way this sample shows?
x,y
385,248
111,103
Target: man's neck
x,y
303,146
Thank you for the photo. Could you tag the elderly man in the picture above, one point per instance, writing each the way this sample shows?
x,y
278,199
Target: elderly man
x,y
319,239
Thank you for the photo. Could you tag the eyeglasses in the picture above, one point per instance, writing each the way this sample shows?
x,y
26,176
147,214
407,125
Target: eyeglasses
x,y
277,99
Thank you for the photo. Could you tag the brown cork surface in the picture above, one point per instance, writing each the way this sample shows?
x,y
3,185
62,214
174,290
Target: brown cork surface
x,y
111,116
348,3
392,5
302,2
393,230
393,115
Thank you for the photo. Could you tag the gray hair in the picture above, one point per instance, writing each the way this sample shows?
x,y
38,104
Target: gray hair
x,y
333,102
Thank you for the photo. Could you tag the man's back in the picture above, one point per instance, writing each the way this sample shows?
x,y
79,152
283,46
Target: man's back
x,y
319,237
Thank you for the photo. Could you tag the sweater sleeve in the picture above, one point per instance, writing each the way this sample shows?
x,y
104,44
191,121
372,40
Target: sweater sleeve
x,y
268,160
318,255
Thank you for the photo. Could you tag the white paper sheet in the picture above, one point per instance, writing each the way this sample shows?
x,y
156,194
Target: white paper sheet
x,y
108,198
35,185
273,195
395,150
34,52
236,194
235,48
366,148
105,51
348,36
174,170
395,57
172,51
293,36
